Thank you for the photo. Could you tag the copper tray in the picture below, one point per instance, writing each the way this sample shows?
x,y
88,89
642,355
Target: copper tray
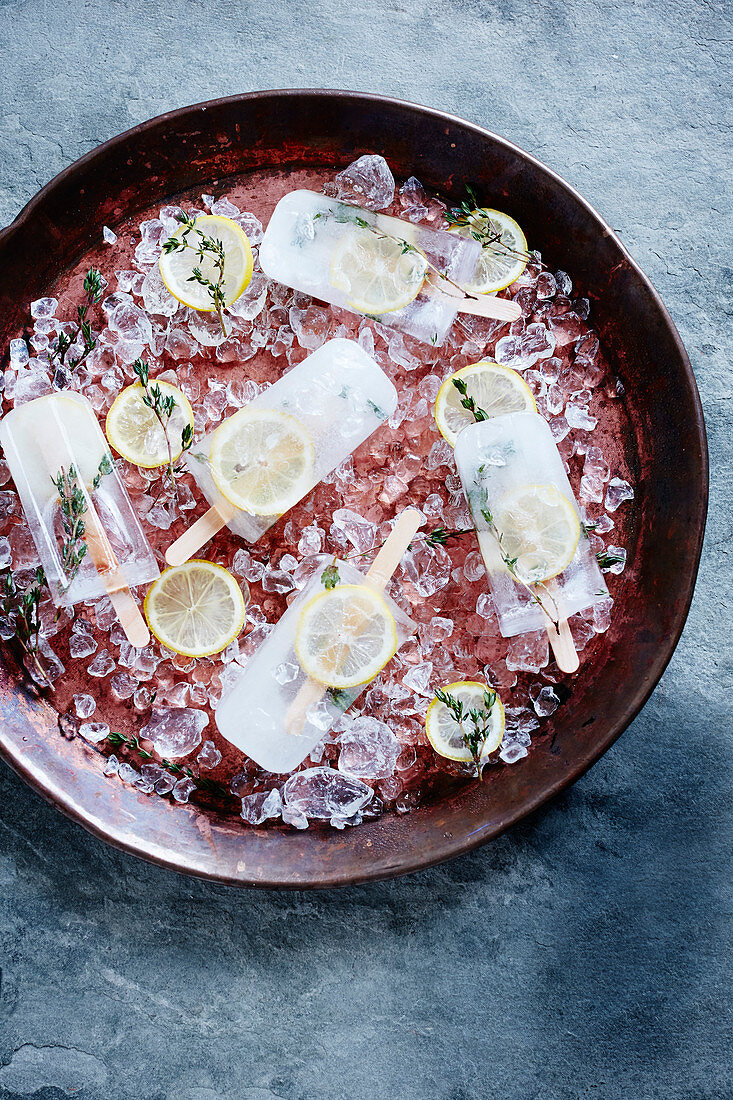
x,y
665,446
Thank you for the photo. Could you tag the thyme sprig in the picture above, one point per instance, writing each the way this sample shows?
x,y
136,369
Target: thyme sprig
x,y
163,406
73,506
20,608
93,288
468,402
607,558
468,214
473,722
330,576
343,215
205,248
204,783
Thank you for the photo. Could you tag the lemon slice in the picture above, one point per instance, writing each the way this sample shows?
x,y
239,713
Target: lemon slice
x,y
136,433
495,389
376,273
195,609
539,527
502,262
444,732
262,461
176,268
345,636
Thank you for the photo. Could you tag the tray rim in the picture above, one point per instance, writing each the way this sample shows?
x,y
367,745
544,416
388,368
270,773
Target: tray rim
x,y
384,868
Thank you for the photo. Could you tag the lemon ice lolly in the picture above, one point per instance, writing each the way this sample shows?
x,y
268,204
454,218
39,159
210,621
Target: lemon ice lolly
x,y
537,554
263,459
277,710
59,434
357,259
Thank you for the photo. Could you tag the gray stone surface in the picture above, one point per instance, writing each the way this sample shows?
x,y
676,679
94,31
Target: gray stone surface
x,y
585,953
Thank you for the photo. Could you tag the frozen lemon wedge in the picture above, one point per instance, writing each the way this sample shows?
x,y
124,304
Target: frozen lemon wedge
x,y
539,530
379,274
345,636
262,461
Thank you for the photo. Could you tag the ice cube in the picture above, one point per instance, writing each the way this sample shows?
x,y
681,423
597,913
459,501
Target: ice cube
x,y
360,532
258,808
294,817
127,773
131,323
44,307
85,705
112,765
157,299
277,580
323,793
578,417
617,492
94,731
102,664
617,557
183,789
427,567
32,382
311,540
418,678
412,200
123,685
18,353
545,287
286,672
369,749
473,567
528,652
367,182
512,751
108,235
546,702
175,731
209,757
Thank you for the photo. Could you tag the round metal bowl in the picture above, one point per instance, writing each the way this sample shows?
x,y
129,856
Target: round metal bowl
x,y
664,445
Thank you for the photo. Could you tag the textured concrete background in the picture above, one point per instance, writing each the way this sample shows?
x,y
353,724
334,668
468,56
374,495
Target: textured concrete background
x,y
584,954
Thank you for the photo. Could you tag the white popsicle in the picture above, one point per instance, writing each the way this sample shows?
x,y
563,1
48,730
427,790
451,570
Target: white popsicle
x,y
259,462
60,434
511,470
312,244
274,713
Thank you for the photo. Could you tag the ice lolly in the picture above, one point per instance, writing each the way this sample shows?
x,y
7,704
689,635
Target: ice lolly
x,y
59,435
537,553
376,265
262,460
275,712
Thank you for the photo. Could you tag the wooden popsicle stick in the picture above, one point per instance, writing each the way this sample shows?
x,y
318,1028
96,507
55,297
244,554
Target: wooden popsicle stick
x,y
480,305
377,577
103,556
563,646
500,309
199,533
561,640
